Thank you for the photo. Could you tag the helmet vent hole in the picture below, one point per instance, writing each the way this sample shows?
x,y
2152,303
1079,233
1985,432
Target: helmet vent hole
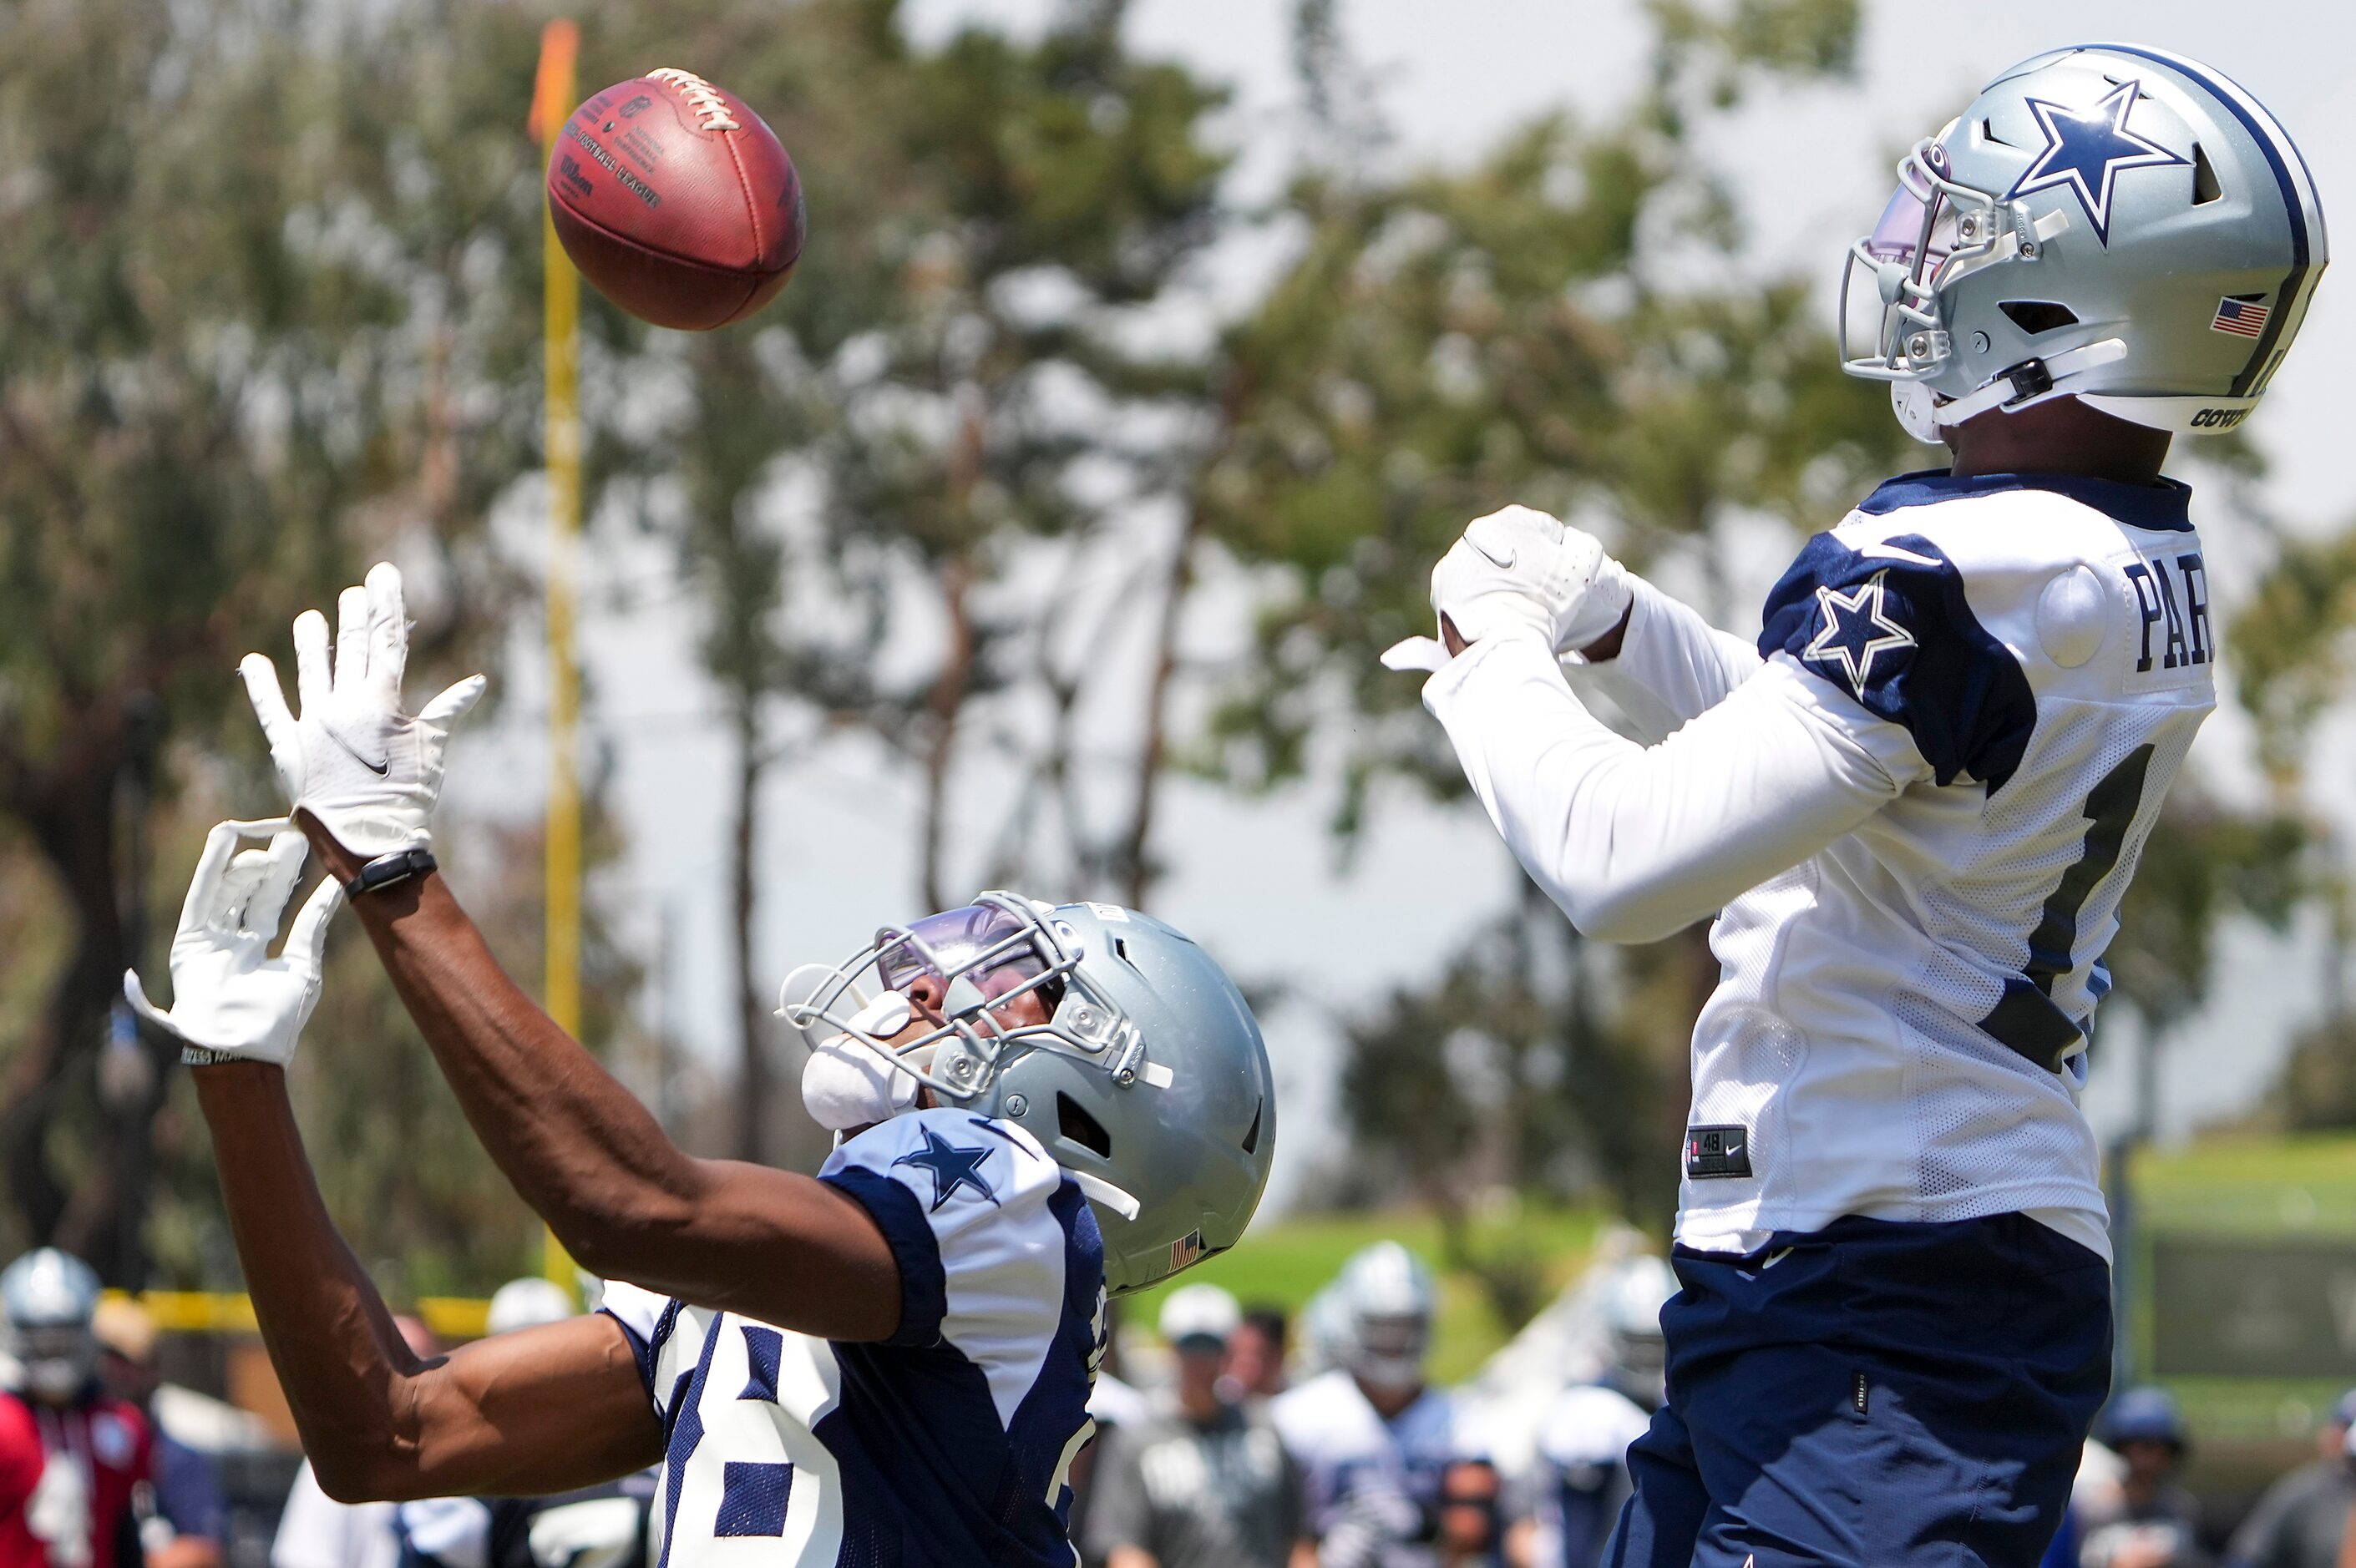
x,y
2205,188
1251,1137
2035,317
1075,1125
1988,134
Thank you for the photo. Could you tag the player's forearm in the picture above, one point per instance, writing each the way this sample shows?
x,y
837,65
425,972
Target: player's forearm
x,y
577,1147
1668,664
339,1355
1636,842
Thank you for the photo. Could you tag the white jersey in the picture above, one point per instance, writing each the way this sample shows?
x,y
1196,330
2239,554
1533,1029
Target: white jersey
x,y
1918,804
949,1443
1373,1481
1580,1478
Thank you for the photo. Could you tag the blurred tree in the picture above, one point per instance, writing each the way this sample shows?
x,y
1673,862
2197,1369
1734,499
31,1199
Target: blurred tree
x,y
930,435
268,281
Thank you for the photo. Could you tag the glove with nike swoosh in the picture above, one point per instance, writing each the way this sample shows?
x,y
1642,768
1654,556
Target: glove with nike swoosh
x,y
1521,568
229,997
368,770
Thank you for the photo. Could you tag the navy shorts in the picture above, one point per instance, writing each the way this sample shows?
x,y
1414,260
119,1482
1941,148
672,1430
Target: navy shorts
x,y
1871,1395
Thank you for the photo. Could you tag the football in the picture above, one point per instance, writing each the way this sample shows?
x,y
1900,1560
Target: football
x,y
675,201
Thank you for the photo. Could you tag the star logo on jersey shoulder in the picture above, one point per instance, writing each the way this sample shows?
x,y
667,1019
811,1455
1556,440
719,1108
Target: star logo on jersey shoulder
x,y
1856,630
2086,148
952,1168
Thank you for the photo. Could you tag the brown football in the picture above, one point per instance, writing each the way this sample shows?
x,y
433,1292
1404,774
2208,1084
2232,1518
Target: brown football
x,y
675,201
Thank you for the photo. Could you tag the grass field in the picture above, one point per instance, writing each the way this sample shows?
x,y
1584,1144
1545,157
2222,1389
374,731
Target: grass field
x,y
1287,1261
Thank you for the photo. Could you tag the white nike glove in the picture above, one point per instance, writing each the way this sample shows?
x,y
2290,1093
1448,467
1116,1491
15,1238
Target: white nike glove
x,y
227,994
1520,567
368,771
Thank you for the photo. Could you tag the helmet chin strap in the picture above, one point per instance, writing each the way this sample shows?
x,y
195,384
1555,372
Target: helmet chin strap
x,y
2030,382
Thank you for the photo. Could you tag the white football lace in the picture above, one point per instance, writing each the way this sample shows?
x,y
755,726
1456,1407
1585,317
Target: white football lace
x,y
700,95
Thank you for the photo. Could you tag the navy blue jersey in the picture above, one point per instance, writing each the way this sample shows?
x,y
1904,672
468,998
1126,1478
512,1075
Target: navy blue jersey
x,y
948,1444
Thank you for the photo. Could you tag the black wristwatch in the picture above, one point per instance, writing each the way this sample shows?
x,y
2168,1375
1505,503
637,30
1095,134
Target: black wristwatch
x,y
387,870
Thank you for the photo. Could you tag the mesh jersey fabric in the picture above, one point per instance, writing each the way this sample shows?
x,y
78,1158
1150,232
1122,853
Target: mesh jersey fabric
x,y
1900,1019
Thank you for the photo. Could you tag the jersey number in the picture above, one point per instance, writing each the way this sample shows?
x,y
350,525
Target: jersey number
x,y
2025,1017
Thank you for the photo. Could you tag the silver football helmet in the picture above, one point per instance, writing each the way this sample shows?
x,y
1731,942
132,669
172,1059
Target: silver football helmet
x,y
49,1298
1387,1301
2107,221
1149,1081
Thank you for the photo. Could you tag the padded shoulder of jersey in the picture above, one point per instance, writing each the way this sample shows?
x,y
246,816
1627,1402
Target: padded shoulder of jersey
x,y
1885,622
970,1206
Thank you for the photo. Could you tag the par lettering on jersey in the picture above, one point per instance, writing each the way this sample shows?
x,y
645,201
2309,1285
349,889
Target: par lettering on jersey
x,y
2184,611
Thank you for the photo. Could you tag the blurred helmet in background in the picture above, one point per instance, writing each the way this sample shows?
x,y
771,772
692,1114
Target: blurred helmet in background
x,y
49,1299
1630,1305
2106,221
1385,1300
527,1303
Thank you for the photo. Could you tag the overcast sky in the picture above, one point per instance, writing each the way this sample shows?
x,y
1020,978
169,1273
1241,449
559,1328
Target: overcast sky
x,y
1811,171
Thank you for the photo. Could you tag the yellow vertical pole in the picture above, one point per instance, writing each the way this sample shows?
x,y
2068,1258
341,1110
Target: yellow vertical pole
x,y
552,93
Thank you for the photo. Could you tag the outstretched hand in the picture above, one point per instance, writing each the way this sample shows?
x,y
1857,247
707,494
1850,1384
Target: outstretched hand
x,y
366,769
227,994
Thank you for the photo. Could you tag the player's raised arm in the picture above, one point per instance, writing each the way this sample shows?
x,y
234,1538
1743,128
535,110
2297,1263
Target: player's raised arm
x,y
545,1410
1651,654
1633,842
362,774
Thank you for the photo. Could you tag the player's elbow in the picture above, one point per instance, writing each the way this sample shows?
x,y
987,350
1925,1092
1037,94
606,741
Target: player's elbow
x,y
1626,914
354,1469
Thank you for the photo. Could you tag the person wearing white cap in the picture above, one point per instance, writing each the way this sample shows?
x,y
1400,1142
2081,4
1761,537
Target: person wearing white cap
x,y
1205,1483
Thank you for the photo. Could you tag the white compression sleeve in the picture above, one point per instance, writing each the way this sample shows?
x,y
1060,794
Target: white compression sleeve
x,y
1671,663
1635,842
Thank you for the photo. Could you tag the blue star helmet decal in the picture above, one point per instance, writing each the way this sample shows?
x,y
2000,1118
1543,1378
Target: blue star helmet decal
x,y
1856,630
2086,148
952,1168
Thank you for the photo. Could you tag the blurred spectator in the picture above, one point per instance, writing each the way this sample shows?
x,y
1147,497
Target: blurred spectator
x,y
1256,1354
317,1532
2094,1493
2299,1522
602,1526
185,1520
2154,1523
1389,1479
1580,1476
1113,1404
1202,1482
73,1457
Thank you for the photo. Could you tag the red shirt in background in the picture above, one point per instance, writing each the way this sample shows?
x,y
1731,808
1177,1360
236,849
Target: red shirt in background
x,y
108,1450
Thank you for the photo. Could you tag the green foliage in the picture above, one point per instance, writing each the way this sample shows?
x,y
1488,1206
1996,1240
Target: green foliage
x,y
2290,645
264,292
